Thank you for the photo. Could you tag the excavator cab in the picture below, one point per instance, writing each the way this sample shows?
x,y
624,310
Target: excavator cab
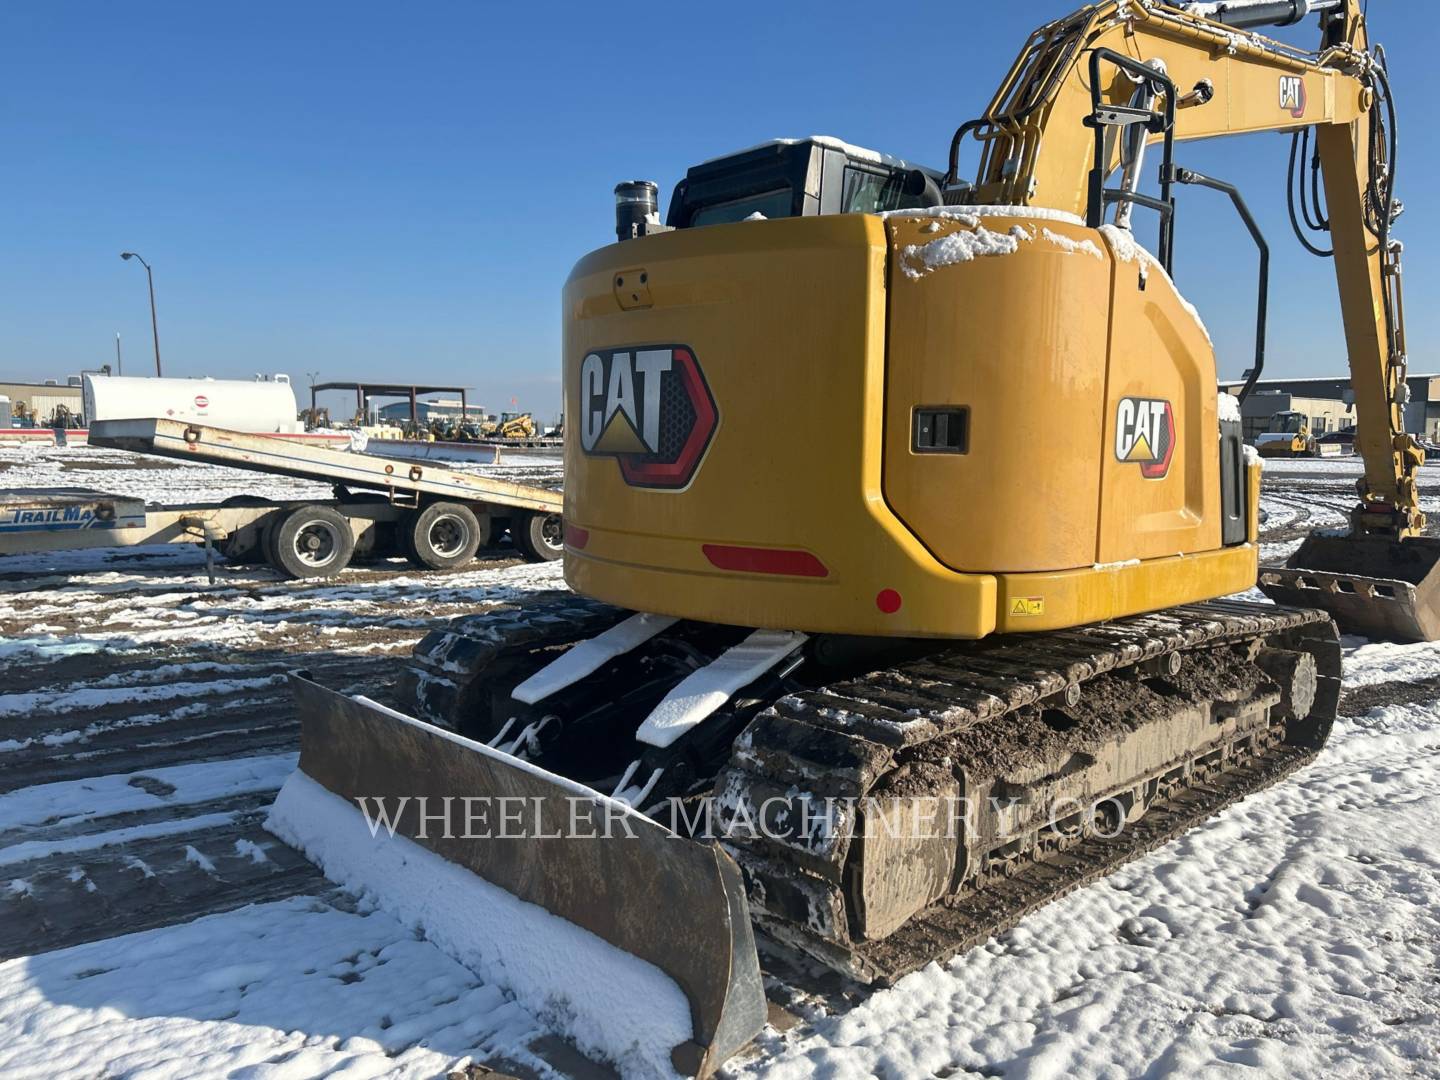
x,y
783,178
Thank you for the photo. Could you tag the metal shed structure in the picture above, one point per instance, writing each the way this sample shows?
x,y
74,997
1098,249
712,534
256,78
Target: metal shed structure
x,y
364,391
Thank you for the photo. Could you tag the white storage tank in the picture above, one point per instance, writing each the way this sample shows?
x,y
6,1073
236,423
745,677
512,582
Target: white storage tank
x,y
265,404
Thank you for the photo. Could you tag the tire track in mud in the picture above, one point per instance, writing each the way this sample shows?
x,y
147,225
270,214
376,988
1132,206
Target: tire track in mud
x,y
63,899
130,665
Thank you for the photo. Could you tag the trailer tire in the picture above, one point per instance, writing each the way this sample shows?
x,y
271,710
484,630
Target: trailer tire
x,y
538,535
311,542
442,536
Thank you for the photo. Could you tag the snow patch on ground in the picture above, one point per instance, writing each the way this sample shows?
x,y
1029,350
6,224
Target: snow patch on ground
x,y
27,850
49,702
285,991
1372,662
612,1004
72,801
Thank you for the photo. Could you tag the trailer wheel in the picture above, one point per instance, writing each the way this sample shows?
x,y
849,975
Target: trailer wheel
x,y
539,536
442,536
311,541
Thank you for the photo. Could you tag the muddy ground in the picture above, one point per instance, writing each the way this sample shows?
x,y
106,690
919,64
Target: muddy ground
x,y
129,662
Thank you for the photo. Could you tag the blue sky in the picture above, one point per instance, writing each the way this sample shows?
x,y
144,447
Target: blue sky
x,y
399,190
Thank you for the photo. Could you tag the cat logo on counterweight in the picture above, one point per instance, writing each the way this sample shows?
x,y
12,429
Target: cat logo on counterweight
x,y
650,409
1145,435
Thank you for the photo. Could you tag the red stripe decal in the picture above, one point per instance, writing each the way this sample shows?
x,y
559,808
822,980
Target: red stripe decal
x,y
753,560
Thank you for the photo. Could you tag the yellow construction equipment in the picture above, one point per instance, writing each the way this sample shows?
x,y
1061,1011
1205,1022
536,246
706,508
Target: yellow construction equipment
x,y
509,426
897,510
1289,436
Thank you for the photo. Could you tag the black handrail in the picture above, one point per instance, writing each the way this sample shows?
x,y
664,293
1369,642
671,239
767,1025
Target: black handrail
x,y
1190,176
1095,211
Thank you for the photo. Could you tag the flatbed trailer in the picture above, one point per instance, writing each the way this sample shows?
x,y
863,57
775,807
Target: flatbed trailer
x,y
436,517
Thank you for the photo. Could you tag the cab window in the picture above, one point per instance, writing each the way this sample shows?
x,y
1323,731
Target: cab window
x,y
870,192
771,204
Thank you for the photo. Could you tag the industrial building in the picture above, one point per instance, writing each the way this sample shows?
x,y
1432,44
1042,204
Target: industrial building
x,y
39,402
1329,404
398,412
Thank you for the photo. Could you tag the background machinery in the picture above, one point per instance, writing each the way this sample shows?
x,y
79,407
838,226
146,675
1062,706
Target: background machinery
x,y
509,425
897,510
1290,436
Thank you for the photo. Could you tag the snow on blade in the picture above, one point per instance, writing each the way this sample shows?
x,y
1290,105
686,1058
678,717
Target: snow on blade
x,y
614,1005
702,692
589,656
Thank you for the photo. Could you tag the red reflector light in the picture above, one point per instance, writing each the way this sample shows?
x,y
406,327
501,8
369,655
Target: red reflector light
x,y
888,601
576,537
753,560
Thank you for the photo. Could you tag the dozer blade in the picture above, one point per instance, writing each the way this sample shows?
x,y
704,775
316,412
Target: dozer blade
x,y
1380,589
676,903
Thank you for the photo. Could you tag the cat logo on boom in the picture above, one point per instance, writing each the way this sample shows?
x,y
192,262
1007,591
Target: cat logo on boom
x,y
1292,95
650,409
1145,435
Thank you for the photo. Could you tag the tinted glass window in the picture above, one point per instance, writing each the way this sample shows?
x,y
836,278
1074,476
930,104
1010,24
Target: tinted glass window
x,y
773,204
869,192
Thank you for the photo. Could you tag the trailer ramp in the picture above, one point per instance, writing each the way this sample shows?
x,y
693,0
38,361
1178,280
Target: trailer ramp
x,y
399,481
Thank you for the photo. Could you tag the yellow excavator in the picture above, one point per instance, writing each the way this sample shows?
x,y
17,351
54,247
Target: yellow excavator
x,y
899,512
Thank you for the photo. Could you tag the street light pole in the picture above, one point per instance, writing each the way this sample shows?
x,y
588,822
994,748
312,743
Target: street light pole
x,y
119,364
154,325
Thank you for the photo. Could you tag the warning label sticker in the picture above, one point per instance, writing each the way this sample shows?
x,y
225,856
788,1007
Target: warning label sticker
x,y
1027,605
